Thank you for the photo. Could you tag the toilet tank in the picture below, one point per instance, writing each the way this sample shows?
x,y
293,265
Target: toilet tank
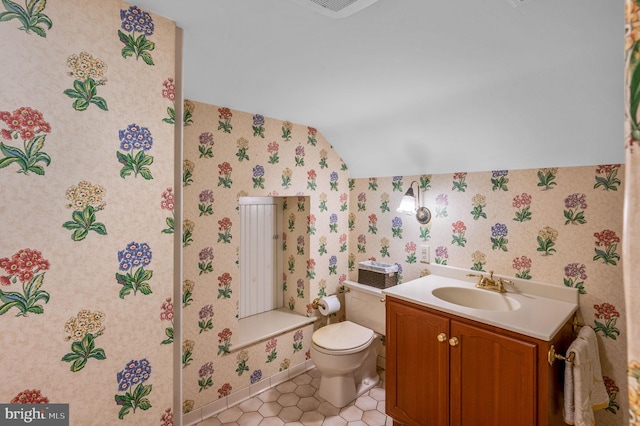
x,y
363,306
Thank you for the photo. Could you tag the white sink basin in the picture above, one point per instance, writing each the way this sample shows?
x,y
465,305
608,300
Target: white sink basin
x,y
532,308
476,298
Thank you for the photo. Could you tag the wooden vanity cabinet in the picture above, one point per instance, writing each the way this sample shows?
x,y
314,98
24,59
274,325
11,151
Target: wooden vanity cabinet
x,y
446,370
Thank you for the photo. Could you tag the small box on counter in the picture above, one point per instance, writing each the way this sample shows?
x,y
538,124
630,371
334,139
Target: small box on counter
x,y
377,274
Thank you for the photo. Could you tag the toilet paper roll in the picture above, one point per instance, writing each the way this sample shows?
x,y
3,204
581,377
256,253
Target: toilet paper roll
x,y
329,305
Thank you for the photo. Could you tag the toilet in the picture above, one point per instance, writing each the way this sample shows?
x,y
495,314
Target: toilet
x,y
346,353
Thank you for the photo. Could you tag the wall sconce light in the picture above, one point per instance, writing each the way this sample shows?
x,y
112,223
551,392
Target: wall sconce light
x,y
411,205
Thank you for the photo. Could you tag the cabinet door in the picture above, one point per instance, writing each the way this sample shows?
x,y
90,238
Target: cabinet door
x,y
417,383
493,378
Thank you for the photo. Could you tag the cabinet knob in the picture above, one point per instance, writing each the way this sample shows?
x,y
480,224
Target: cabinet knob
x,y
453,341
442,337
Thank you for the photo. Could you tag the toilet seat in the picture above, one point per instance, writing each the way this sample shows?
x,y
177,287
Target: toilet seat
x,y
342,338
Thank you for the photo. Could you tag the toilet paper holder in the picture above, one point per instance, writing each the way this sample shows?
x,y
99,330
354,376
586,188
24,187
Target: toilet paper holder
x,y
316,301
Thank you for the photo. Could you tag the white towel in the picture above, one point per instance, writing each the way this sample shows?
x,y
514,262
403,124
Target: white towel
x,y
584,389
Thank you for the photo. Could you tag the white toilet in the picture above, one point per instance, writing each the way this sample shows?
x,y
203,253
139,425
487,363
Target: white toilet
x,y
346,352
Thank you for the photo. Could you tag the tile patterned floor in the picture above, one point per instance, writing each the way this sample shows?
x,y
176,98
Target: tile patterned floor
x,y
297,403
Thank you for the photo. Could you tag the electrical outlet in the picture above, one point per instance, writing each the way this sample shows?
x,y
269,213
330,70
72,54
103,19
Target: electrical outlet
x,y
425,255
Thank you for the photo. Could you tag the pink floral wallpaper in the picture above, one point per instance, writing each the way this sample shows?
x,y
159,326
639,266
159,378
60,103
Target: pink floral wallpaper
x,y
87,115
229,154
85,270
557,225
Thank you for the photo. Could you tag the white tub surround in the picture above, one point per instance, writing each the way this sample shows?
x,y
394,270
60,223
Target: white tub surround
x,y
266,325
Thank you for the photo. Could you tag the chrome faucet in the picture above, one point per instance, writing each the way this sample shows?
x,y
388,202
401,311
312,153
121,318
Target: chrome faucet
x,y
488,283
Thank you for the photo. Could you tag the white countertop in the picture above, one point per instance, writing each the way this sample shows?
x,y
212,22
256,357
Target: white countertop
x,y
544,308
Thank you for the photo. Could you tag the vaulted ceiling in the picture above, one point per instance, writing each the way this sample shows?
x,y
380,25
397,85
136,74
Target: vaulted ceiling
x,y
420,86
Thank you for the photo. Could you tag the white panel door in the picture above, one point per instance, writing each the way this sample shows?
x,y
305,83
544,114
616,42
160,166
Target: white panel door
x,y
260,290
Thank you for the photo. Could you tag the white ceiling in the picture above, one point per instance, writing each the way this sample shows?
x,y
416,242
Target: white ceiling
x,y
420,86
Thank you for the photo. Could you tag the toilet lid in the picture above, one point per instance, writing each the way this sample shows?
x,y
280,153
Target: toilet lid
x,y
342,336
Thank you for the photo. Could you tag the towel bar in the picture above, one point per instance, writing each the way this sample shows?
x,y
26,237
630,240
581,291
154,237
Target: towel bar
x,y
552,356
576,325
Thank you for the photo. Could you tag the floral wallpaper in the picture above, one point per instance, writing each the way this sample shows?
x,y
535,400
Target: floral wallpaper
x,y
229,154
556,225
632,232
88,201
85,268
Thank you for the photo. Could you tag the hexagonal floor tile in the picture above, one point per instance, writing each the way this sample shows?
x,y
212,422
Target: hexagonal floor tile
x,y
334,421
312,418
252,404
269,395
305,390
250,419
270,409
366,403
316,382
308,404
374,417
302,379
297,403
288,399
314,372
272,421
290,414
286,387
351,413
327,409
377,393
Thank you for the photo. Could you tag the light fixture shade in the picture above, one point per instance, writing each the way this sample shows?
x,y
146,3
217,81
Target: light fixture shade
x,y
408,204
